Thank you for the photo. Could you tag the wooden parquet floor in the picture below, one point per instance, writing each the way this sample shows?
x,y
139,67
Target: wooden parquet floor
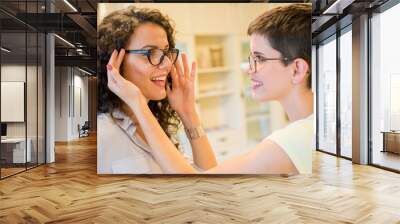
x,y
70,191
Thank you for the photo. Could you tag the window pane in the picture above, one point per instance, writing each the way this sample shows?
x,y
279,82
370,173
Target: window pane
x,y
31,97
385,85
346,94
14,153
327,96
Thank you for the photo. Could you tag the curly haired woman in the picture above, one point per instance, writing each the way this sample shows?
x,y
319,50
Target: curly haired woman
x,y
147,62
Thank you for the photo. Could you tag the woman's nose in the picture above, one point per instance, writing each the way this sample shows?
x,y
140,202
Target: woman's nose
x,y
166,63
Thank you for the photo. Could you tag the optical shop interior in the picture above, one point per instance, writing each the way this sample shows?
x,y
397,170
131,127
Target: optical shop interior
x,y
233,120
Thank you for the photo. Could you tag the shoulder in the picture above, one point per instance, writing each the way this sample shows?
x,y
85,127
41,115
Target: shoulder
x,y
105,123
107,129
296,140
104,118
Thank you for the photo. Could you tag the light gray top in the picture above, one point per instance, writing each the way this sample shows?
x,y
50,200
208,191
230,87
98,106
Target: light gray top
x,y
120,150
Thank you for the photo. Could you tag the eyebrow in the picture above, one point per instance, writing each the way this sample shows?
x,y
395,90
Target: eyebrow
x,y
154,46
258,53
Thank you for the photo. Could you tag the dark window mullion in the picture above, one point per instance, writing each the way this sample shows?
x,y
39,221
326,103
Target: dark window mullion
x,y
338,98
26,87
369,86
317,95
37,90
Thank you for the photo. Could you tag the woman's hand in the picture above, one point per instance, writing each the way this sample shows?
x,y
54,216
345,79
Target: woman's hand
x,y
181,96
124,89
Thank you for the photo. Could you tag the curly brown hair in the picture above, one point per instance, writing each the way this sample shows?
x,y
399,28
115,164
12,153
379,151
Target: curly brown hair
x,y
113,33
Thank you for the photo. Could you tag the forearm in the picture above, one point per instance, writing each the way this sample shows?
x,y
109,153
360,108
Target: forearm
x,y
203,154
163,150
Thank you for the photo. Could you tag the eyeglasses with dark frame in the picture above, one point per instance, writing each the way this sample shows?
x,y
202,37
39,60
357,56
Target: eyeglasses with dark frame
x,y
253,61
156,56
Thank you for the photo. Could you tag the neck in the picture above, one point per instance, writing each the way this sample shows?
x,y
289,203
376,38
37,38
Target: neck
x,y
298,104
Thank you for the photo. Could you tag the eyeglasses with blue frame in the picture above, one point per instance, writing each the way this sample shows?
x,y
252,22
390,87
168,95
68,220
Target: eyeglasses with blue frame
x,y
156,56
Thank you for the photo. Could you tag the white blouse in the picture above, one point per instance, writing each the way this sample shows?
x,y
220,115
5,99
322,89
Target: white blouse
x,y
298,141
120,150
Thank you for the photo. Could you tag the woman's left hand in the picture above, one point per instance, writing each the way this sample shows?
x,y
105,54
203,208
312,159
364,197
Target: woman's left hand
x,y
124,89
181,96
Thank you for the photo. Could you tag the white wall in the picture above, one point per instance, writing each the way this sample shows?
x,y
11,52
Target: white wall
x,y
12,73
61,103
69,85
12,99
79,117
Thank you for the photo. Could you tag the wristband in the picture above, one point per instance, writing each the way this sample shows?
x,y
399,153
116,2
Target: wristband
x,y
195,133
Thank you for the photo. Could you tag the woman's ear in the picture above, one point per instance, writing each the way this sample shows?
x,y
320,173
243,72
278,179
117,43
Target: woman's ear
x,y
300,73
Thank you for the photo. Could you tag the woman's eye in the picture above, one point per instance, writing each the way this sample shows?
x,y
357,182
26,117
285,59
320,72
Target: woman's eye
x,y
259,58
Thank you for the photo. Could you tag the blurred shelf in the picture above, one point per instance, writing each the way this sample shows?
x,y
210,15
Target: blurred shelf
x,y
218,129
215,93
259,111
213,70
257,117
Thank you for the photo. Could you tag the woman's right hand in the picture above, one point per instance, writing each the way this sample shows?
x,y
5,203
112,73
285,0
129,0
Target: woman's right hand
x,y
124,89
